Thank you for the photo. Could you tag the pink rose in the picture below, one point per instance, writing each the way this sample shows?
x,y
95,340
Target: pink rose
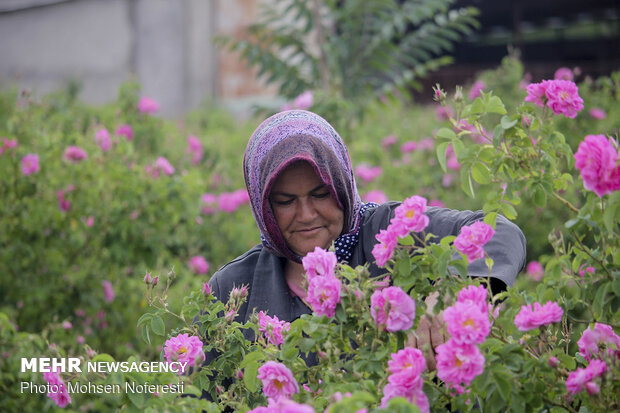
x,y
389,141
536,93
563,98
283,405
210,201
409,216
199,264
563,73
58,391
596,338
436,203
368,173
324,295
597,161
407,366
413,395
466,323
304,101
393,308
231,201
409,146
102,139
598,113
581,379
458,364
164,166
184,349
75,154
278,380
377,196
63,204
385,248
535,270
475,90
148,105
442,113
319,263
108,290
475,295
194,148
30,164
530,317
273,328
206,289
7,145
126,131
472,238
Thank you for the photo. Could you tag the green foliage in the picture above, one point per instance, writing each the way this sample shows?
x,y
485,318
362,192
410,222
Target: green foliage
x,y
356,50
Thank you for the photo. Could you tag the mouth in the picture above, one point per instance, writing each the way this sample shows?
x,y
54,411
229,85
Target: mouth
x,y
309,231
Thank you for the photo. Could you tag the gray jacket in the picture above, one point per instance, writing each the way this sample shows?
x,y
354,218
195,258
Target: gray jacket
x,y
268,291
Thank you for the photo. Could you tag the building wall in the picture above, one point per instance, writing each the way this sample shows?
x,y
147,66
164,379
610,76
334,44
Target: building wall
x,y
166,45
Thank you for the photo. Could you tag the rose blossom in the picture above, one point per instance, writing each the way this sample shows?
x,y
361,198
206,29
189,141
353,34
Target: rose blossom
x,y
211,203
582,271
319,263
471,239
148,105
476,295
530,317
584,378
409,146
206,289
108,290
324,295
368,173
376,195
597,161
393,308
406,367
535,270
593,339
75,154
199,265
126,131
563,73
389,141
194,148
413,395
164,166
475,90
278,380
383,250
231,201
458,364
466,323
184,349
304,101
272,327
598,113
7,144
102,138
62,396
30,164
562,96
409,216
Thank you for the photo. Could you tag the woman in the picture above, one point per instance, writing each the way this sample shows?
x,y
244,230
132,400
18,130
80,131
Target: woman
x,y
303,194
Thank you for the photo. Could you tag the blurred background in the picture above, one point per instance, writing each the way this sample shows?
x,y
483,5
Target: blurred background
x,y
168,46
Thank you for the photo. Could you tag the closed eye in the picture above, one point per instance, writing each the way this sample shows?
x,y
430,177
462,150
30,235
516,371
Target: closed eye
x,y
321,195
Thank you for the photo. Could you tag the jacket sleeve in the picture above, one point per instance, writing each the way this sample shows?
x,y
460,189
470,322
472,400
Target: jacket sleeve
x,y
506,248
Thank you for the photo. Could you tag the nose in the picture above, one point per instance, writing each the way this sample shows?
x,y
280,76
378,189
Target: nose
x,y
306,211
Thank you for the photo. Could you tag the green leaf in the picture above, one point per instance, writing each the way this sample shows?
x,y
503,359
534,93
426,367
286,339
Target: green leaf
x,y
145,334
249,376
495,105
158,326
481,173
540,196
491,219
103,357
466,182
611,216
446,133
408,240
507,123
441,155
509,211
145,317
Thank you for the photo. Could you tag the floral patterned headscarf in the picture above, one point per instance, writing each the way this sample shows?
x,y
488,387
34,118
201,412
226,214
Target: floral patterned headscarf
x,y
292,136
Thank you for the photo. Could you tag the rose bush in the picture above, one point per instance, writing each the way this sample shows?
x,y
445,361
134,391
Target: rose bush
x,y
85,228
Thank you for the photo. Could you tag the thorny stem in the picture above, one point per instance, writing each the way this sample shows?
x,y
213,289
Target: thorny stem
x,y
565,202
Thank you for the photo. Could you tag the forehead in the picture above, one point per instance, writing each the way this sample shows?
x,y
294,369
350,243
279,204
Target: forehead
x,y
296,177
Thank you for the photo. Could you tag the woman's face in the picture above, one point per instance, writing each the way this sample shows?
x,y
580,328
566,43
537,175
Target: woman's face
x,y
307,214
